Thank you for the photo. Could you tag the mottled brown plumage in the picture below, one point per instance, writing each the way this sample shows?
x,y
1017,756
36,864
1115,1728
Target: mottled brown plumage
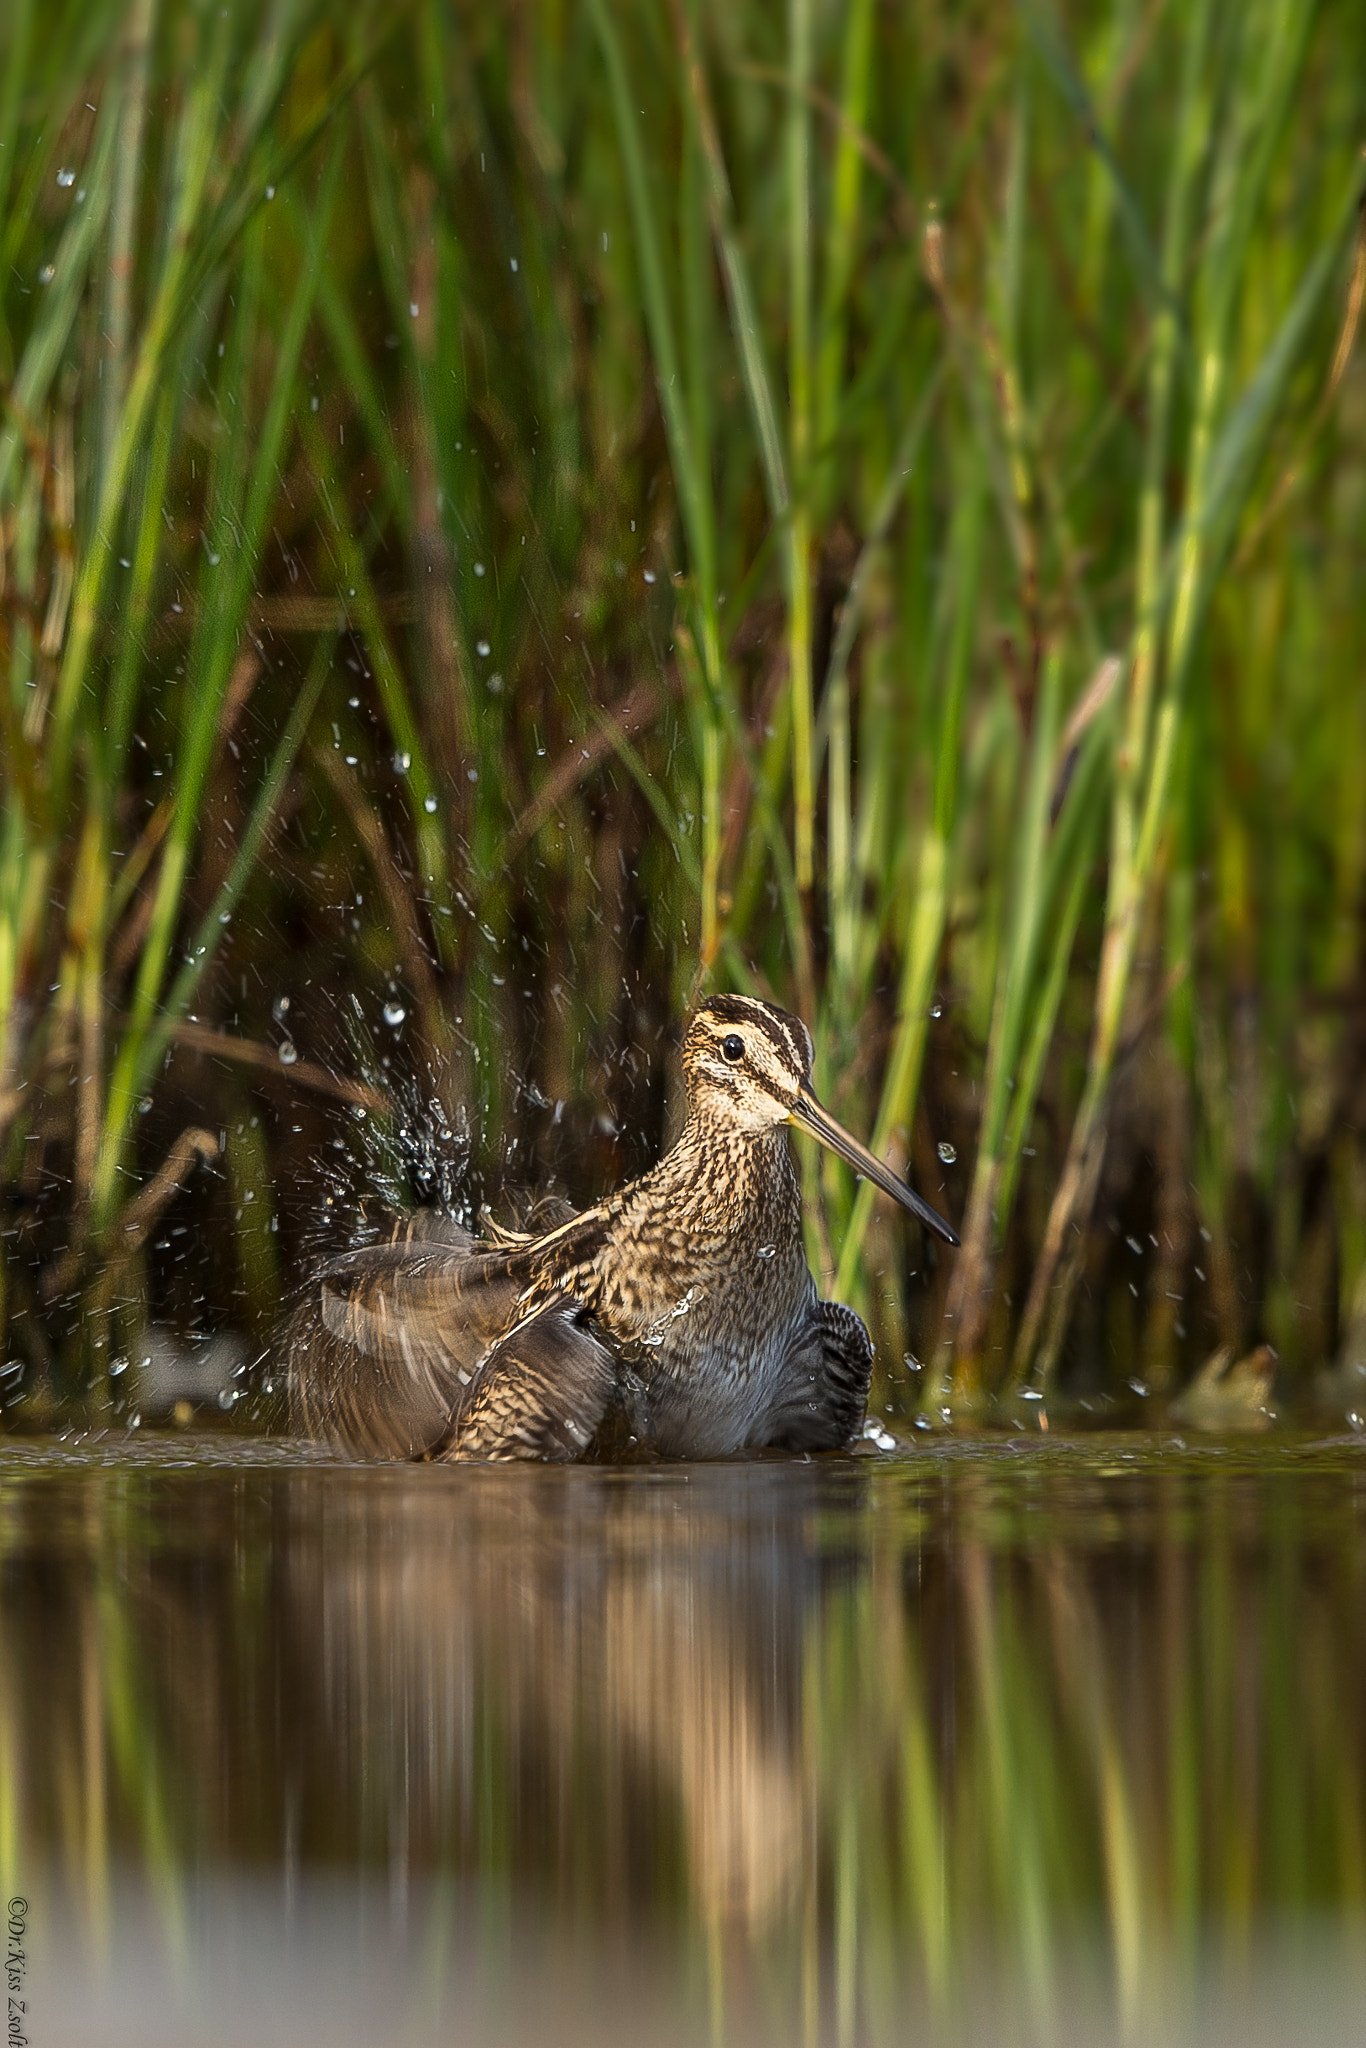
x,y
679,1311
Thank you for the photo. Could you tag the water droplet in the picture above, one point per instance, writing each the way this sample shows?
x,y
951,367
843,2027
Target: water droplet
x,y
394,1013
47,273
225,917
936,1009
354,702
279,1009
402,763
116,1366
135,1420
768,1251
1134,1245
429,806
479,569
495,685
270,191
649,575
287,1052
144,1105
412,309
482,648
514,266
214,559
948,1153
65,177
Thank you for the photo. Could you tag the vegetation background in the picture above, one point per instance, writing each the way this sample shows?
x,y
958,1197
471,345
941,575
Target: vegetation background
x,y
513,515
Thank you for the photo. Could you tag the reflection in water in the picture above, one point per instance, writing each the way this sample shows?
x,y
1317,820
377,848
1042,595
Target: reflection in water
x,y
783,1749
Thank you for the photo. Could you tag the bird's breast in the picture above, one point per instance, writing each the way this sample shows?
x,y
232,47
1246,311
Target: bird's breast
x,y
698,1275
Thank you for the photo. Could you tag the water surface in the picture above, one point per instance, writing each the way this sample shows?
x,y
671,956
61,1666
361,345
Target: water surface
x,y
997,1741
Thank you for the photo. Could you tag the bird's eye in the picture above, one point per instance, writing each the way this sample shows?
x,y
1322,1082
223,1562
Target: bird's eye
x,y
733,1046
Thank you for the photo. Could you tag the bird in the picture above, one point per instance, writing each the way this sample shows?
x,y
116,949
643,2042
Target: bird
x,y
678,1314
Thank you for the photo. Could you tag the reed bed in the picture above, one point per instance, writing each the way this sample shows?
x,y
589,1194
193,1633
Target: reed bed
x,y
513,516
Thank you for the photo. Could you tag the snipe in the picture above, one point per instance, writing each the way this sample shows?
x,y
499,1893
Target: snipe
x,y
679,1311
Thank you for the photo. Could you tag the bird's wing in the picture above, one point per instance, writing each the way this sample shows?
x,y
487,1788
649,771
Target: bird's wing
x,y
541,1393
825,1393
550,1213
386,1340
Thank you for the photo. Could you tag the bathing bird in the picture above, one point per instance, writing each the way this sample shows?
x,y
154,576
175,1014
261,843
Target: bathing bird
x,y
678,1313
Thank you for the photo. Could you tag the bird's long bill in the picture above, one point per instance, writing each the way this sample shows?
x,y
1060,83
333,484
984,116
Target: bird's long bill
x,y
810,1115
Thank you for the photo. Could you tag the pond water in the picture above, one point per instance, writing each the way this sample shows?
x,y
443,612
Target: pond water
x,y
1002,1741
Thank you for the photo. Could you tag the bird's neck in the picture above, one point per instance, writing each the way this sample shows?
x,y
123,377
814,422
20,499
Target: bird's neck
x,y
732,1180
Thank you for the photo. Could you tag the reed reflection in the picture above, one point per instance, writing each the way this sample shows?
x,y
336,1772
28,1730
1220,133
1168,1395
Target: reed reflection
x,y
848,1734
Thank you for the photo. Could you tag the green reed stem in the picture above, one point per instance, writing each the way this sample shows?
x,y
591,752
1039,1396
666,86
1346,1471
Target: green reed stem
x,y
924,929
799,434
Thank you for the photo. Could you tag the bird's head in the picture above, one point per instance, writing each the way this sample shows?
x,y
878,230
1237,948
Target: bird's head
x,y
747,1067
745,1063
